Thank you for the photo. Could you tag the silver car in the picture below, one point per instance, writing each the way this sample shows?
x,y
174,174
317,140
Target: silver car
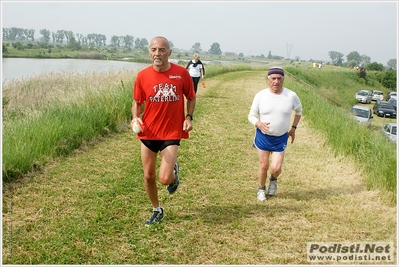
x,y
376,95
390,131
364,96
391,95
362,114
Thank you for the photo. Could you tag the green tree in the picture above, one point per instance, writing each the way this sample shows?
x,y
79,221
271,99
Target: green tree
x,y
389,80
90,39
137,43
354,56
59,36
45,35
144,43
13,33
115,41
30,35
392,63
128,41
336,57
364,60
80,38
73,44
95,39
141,43
215,49
196,48
375,66
351,63
68,35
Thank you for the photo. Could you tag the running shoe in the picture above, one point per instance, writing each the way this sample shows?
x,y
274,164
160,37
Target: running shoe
x,y
155,218
272,187
175,184
261,195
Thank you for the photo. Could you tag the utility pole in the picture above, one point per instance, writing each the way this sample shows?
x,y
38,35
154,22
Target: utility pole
x,y
289,48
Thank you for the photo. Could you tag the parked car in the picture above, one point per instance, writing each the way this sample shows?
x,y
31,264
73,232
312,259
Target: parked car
x,y
393,101
391,95
384,109
364,96
376,95
390,130
362,114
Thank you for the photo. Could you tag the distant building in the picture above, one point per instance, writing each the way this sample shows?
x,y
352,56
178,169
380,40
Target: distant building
x,y
233,54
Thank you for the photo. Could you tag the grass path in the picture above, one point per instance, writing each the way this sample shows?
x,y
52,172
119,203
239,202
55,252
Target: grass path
x,y
90,208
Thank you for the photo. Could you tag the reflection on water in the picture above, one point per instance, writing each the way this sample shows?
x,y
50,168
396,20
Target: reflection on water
x,y
19,68
23,68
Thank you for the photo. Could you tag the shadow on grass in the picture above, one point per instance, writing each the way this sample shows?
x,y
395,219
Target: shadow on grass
x,y
279,205
321,193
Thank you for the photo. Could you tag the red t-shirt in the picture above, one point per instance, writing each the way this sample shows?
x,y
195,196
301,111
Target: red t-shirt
x,y
163,94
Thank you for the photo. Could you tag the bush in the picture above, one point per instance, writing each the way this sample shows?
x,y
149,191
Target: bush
x,y
389,80
375,66
5,50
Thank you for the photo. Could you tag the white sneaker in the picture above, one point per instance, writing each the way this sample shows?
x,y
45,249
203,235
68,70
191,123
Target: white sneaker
x,y
262,195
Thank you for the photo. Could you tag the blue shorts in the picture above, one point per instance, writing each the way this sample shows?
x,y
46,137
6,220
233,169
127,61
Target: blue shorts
x,y
270,143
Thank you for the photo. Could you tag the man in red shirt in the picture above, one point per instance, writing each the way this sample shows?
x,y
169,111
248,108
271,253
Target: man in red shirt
x,y
162,87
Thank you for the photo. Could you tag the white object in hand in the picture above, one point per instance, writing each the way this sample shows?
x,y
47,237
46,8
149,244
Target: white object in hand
x,y
136,127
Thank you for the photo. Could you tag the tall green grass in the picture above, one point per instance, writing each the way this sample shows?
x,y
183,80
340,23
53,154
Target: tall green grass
x,y
51,126
374,155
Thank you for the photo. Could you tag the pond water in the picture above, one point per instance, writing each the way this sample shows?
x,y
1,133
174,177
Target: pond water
x,y
21,68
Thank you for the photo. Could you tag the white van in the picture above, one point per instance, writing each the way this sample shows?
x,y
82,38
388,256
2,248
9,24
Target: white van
x,y
362,114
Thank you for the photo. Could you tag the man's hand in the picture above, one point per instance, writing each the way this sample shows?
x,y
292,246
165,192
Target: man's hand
x,y
263,126
187,125
135,125
292,134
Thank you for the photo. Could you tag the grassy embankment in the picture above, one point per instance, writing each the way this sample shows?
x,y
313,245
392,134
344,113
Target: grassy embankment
x,y
345,137
90,207
50,116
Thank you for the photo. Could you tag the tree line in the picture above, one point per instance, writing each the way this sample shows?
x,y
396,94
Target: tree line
x,y
354,59
67,37
74,41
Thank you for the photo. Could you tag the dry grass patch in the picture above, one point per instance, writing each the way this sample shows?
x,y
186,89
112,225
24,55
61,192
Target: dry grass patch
x,y
43,89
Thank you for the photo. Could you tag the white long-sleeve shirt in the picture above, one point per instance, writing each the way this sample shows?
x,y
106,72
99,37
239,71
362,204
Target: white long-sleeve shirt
x,y
275,109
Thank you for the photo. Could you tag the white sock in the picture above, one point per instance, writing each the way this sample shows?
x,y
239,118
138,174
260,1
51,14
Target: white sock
x,y
158,209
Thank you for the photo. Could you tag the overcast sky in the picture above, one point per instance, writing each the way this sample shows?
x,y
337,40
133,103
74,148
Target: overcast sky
x,y
308,30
